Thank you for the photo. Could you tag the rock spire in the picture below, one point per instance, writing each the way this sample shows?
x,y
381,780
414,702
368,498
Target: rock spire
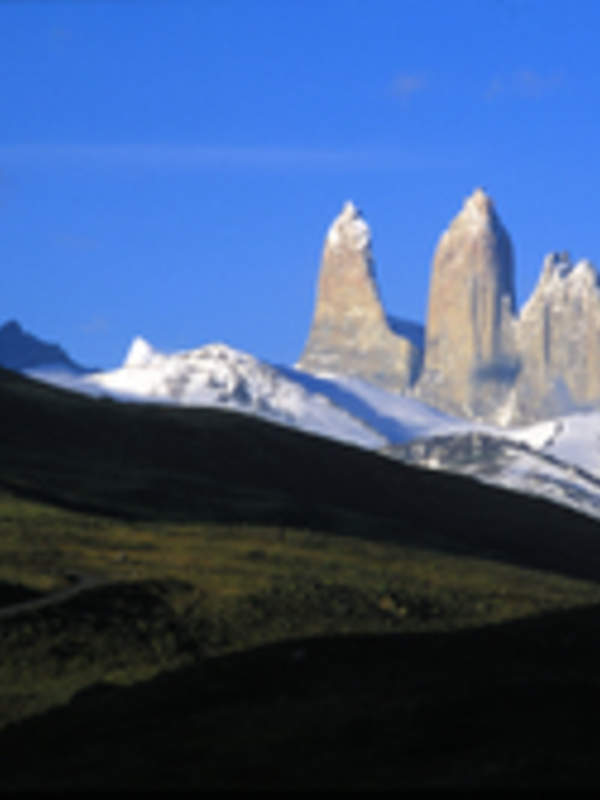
x,y
481,359
469,353
350,333
558,339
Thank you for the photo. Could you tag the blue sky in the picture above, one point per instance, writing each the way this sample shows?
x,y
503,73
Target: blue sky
x,y
169,168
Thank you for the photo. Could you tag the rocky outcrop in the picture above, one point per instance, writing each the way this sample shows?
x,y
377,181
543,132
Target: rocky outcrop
x,y
350,334
470,359
558,339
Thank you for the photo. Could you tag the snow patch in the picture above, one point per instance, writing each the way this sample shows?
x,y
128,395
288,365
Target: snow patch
x,y
574,439
349,230
140,353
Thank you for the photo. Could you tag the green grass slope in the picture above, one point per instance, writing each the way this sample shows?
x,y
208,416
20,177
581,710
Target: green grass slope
x,y
90,598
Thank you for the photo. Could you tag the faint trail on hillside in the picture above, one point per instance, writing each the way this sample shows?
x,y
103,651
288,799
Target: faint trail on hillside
x,y
82,583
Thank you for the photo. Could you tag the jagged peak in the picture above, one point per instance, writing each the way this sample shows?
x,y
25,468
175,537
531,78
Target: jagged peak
x,y
478,210
583,278
561,278
479,202
219,351
584,269
11,326
557,264
477,215
559,270
349,210
349,230
140,353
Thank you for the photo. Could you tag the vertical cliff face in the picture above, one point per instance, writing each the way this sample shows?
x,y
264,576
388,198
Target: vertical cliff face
x,y
350,334
470,359
558,338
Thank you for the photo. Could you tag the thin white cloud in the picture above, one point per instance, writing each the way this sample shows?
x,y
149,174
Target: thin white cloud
x,y
526,83
407,84
199,157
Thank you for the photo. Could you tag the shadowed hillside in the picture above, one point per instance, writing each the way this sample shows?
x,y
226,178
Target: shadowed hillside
x,y
511,706
145,461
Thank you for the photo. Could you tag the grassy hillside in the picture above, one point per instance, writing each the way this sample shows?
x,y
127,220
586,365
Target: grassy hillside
x,y
197,598
103,599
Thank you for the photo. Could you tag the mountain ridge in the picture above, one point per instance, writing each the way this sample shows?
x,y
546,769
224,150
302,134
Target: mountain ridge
x,y
20,350
351,410
167,463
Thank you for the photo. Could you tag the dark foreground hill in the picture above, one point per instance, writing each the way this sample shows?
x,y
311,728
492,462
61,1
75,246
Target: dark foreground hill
x,y
198,599
513,706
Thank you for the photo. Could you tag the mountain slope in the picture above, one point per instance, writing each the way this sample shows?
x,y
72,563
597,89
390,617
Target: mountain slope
x,y
561,464
147,461
574,439
219,376
20,350
502,461
431,558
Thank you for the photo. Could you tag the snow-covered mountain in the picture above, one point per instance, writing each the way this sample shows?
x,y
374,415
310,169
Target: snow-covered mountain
x,y
219,376
510,462
558,459
348,409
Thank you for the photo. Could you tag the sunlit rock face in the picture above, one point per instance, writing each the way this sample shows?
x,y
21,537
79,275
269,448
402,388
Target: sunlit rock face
x,y
558,338
480,359
470,356
350,334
